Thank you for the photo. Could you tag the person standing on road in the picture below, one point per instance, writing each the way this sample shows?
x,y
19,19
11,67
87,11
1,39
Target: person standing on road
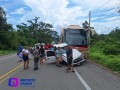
x,y
26,58
58,55
42,54
69,54
19,53
36,58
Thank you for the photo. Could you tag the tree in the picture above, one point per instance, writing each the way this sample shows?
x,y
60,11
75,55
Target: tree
x,y
7,34
85,25
36,32
2,18
3,24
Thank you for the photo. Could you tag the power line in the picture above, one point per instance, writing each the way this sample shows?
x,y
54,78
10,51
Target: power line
x,y
114,19
115,6
108,20
110,9
101,5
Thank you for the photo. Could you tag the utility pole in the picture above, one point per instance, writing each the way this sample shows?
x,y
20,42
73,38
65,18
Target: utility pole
x,y
89,31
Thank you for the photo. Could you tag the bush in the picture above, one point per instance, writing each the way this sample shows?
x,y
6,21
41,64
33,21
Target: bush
x,y
4,47
114,64
110,61
111,49
5,52
99,58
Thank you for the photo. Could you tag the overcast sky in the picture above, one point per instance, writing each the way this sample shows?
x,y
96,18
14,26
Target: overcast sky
x,y
61,13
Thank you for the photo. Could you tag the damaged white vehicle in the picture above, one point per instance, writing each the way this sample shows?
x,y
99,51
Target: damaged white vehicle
x,y
77,56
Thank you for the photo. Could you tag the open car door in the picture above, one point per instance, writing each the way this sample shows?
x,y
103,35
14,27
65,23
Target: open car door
x,y
50,56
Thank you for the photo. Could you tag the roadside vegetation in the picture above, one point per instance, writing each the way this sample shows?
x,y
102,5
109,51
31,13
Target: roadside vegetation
x,y
6,52
105,49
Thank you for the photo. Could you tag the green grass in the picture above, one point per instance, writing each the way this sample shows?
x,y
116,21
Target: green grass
x,y
110,61
6,52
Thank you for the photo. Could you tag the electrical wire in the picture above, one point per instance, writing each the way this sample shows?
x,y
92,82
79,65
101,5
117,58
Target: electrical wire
x,y
101,6
109,10
115,6
114,19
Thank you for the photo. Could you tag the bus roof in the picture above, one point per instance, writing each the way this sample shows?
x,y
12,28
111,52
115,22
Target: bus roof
x,y
73,27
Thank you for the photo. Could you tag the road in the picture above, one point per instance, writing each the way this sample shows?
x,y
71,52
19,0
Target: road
x,y
89,76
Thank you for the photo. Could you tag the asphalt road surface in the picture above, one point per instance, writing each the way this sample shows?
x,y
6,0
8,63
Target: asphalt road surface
x,y
49,77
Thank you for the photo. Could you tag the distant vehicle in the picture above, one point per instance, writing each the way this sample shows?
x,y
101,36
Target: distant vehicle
x,y
78,58
38,44
76,36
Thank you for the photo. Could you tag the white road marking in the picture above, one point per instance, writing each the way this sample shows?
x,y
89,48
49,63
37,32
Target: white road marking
x,y
7,57
82,80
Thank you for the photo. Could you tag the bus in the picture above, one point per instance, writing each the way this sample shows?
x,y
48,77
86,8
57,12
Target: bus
x,y
77,37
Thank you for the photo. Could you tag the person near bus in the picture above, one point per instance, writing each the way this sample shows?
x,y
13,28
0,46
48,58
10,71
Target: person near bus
x,y
36,58
69,54
58,55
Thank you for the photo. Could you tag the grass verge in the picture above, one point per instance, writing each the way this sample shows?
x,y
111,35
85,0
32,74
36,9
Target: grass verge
x,y
6,52
109,61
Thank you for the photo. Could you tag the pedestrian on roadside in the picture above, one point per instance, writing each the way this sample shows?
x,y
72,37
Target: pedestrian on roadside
x,y
26,58
19,53
36,58
58,55
42,54
69,54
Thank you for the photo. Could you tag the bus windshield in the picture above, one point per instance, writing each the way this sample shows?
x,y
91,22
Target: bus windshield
x,y
76,37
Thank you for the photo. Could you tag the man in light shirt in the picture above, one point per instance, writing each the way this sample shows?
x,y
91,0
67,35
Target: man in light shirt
x,y
26,58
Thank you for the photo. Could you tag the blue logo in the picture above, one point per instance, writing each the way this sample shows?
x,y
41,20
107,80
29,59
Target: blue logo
x,y
13,82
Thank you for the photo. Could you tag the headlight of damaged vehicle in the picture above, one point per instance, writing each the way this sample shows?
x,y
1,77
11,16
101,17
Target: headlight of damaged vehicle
x,y
78,59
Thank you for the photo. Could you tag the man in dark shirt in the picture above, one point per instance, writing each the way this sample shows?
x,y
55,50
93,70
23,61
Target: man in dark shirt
x,y
69,54
42,54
